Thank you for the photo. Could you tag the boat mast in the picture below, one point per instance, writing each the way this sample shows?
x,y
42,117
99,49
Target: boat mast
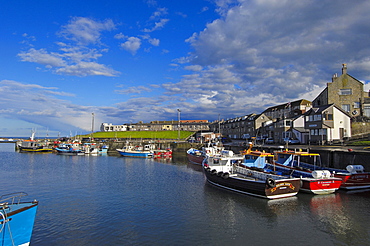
x,y
92,126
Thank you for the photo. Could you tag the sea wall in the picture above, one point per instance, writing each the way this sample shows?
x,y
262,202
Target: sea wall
x,y
329,157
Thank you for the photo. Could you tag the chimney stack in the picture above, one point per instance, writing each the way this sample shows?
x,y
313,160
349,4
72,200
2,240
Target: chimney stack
x,y
344,68
335,76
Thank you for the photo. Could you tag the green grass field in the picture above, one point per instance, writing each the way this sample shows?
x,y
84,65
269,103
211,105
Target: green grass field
x,y
141,134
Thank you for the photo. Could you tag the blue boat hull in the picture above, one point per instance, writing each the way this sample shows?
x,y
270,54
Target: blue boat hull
x,y
140,154
69,152
18,226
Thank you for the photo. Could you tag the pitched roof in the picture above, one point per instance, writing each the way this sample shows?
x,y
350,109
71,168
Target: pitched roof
x,y
321,109
285,105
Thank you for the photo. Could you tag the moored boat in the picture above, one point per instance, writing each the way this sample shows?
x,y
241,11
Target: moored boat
x,y
67,149
95,149
353,177
33,146
16,219
238,173
313,181
197,156
145,151
162,153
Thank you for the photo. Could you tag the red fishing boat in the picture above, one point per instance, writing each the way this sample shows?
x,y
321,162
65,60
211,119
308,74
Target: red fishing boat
x,y
327,178
162,153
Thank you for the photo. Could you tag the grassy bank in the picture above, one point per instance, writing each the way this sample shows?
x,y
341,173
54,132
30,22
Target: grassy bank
x,y
359,143
141,134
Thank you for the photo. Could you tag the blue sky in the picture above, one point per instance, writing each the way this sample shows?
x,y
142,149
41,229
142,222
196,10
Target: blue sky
x,y
130,61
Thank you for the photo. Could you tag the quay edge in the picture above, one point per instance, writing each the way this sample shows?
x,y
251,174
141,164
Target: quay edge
x,y
331,156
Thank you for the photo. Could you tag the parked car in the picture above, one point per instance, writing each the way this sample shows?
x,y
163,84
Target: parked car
x,y
291,141
269,141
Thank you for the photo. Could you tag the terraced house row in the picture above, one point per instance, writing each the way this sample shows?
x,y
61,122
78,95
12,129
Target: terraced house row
x,y
326,119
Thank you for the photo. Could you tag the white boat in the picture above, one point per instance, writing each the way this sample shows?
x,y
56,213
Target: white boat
x,y
95,149
239,173
196,156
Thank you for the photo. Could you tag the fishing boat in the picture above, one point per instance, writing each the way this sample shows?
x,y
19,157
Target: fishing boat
x,y
162,153
67,149
16,219
95,149
240,173
34,146
197,156
318,182
353,177
145,151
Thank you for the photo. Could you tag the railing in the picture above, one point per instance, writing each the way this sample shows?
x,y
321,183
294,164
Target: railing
x,y
12,198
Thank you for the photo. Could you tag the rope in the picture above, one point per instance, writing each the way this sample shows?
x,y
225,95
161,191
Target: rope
x,y
10,234
5,221
2,215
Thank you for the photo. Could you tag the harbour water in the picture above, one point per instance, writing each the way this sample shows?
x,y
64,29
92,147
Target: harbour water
x,y
112,200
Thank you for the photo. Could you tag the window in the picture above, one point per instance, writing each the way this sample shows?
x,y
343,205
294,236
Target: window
x,y
329,117
322,131
367,111
345,92
356,105
346,107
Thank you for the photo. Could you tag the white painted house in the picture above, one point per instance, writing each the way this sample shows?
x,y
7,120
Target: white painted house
x,y
327,123
298,129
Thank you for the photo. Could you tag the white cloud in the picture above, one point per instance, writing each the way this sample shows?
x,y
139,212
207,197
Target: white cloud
x,y
71,59
42,57
195,68
120,36
154,41
134,90
85,31
132,45
157,25
83,69
160,12
39,105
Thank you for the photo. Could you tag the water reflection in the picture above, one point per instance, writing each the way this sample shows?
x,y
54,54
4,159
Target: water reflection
x,y
169,202
338,215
